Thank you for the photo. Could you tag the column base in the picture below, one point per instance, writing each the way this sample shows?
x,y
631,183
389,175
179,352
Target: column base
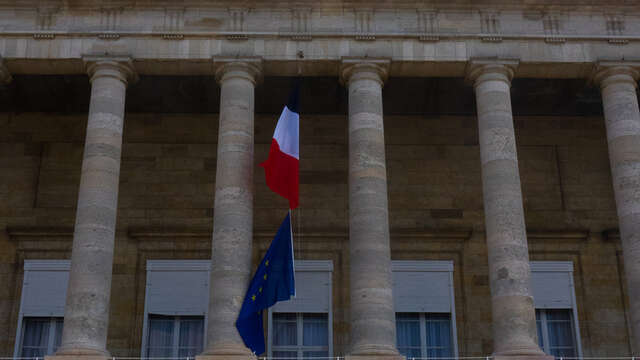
x,y
77,357
523,357
375,357
226,357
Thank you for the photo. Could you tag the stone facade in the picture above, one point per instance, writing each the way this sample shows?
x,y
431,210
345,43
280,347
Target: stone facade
x,y
172,162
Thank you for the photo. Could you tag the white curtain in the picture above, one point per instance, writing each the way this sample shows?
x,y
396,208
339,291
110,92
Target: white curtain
x,y
285,354
438,327
284,329
315,331
559,325
162,334
160,341
315,335
36,337
58,338
191,336
539,328
408,334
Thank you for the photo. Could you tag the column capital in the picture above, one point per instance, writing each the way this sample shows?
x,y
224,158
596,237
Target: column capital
x,y
483,69
606,73
361,68
115,66
5,75
249,68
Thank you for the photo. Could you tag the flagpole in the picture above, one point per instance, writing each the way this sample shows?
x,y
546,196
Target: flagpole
x,y
293,258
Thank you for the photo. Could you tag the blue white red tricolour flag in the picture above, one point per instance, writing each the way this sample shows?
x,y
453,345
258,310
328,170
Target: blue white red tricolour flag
x,y
281,168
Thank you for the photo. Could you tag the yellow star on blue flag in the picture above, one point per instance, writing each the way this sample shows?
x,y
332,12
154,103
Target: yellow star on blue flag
x,y
272,282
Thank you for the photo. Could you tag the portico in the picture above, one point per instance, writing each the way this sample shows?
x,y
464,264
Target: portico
x,y
363,59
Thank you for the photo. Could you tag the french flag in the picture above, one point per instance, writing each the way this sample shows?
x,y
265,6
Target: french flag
x,y
281,168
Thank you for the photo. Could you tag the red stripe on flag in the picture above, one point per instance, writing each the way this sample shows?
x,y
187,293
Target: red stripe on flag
x,y
281,173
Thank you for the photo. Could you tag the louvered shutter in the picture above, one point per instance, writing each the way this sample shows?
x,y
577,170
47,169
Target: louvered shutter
x,y
422,286
44,287
178,287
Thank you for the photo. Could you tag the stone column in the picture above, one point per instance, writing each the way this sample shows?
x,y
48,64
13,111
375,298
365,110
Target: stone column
x,y
233,209
373,326
618,82
86,317
513,314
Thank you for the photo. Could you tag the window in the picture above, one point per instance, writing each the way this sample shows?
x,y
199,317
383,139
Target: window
x,y
175,336
297,335
425,315
176,304
556,334
301,327
422,335
40,336
556,311
44,290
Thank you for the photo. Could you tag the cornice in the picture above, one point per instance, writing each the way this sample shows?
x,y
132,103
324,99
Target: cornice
x,y
112,20
508,4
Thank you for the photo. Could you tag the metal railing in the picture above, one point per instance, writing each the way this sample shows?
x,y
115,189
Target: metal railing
x,y
342,358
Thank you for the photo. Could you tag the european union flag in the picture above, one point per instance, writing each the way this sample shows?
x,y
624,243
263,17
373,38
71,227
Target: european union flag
x,y
272,282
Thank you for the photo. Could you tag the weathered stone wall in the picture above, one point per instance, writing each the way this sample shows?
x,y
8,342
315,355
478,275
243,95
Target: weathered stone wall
x,y
167,186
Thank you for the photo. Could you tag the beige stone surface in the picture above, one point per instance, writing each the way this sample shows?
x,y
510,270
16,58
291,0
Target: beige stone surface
x,y
76,357
376,357
226,357
422,39
373,328
513,313
618,82
430,167
87,307
233,208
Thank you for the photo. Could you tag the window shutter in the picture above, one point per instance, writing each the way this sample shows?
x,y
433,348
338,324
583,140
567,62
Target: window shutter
x,y
313,293
178,287
422,286
44,287
552,285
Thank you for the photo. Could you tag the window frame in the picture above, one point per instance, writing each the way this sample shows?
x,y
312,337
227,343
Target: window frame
x,y
422,321
300,348
171,265
567,268
301,266
51,341
544,329
177,320
34,266
431,266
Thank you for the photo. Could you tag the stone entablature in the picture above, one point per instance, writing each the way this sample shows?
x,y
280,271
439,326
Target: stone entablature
x,y
540,19
421,39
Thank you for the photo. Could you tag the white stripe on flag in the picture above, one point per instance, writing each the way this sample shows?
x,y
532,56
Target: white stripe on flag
x,y
287,133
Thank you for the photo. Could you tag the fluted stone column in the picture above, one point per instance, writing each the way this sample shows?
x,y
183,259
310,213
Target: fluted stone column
x,y
618,82
233,208
513,313
86,317
373,326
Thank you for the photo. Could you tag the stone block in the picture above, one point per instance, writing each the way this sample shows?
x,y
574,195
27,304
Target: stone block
x,y
523,357
77,357
374,357
226,357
